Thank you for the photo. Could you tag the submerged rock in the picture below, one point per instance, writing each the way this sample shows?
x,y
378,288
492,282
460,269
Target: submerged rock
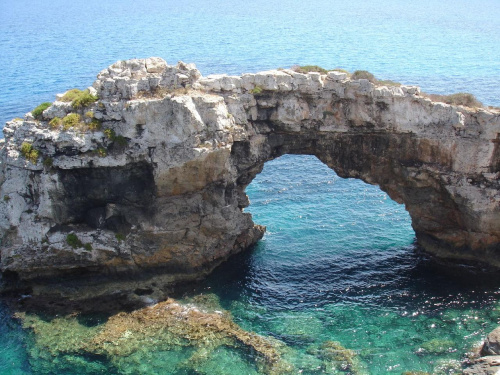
x,y
436,346
151,176
338,359
166,326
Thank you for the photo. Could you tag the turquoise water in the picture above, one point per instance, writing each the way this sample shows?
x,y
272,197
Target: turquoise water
x,y
338,262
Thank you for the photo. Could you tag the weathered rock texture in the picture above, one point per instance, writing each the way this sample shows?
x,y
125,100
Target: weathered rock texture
x,y
488,358
167,190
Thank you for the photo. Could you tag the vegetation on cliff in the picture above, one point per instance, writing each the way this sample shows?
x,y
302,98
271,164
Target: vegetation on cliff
x,y
37,112
29,152
79,98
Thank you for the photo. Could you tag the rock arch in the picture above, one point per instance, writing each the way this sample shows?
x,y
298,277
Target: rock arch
x,y
167,193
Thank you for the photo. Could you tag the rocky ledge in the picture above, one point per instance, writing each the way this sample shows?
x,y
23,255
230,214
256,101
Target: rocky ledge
x,y
487,360
146,170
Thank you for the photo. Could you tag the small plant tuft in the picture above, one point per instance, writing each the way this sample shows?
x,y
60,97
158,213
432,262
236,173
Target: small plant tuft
x,y
120,140
101,152
95,124
18,119
89,114
79,98
55,122
29,152
73,241
462,98
71,120
120,237
6,198
309,68
388,82
257,90
363,74
88,246
37,112
48,162
110,134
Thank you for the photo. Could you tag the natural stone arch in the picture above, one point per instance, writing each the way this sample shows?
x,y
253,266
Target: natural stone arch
x,y
376,159
417,171
170,188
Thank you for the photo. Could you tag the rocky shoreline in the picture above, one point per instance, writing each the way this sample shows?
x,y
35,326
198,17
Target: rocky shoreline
x,y
487,360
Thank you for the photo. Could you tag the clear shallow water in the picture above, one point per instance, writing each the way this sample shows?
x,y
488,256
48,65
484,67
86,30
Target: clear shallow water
x,y
338,261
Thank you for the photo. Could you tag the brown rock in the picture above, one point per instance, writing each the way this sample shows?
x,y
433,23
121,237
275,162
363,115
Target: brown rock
x,y
491,345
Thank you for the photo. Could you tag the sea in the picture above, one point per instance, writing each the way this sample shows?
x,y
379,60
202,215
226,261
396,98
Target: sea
x,y
339,262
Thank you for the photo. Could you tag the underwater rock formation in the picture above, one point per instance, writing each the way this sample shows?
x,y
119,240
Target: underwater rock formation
x,y
147,170
192,330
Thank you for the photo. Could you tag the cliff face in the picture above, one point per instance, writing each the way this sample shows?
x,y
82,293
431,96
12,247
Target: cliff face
x,y
161,185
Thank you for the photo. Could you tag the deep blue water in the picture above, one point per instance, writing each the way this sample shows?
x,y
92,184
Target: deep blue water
x,y
338,261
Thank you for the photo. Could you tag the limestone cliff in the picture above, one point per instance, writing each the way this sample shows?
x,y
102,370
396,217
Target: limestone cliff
x,y
152,175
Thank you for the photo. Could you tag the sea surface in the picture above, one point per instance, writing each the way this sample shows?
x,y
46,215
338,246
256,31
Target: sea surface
x,y
339,261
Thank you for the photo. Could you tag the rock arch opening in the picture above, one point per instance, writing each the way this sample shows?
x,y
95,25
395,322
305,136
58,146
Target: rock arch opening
x,y
305,205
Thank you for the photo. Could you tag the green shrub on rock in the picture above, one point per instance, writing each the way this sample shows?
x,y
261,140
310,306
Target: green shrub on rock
x,y
118,139
79,98
110,134
309,68
95,124
48,162
256,90
37,112
71,120
340,70
388,82
101,152
462,98
55,122
29,152
363,74
73,241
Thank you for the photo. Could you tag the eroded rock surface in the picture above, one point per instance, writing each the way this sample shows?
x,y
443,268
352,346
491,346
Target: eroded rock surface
x,y
161,186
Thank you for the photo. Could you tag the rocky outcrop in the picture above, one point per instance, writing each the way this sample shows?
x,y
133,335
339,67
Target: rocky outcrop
x,y
491,345
152,176
489,361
